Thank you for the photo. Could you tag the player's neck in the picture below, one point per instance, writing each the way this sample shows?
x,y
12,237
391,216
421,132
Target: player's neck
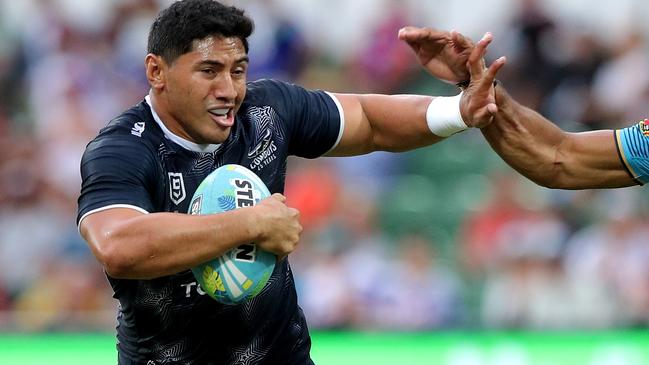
x,y
166,123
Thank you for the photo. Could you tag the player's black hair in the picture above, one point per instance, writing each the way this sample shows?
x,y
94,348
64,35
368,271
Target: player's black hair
x,y
177,26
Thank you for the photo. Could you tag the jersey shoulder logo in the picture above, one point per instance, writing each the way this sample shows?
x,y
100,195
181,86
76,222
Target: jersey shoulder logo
x,y
176,187
137,129
644,127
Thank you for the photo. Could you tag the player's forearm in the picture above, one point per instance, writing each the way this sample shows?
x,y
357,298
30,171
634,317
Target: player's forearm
x,y
526,140
383,123
159,244
398,122
547,155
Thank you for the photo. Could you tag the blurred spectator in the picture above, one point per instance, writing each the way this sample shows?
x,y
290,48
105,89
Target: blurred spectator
x,y
532,71
607,266
280,51
313,189
348,257
420,292
30,221
481,232
71,294
580,56
526,284
395,67
623,81
326,296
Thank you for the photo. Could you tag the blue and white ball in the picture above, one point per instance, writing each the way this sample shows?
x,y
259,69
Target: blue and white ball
x,y
242,272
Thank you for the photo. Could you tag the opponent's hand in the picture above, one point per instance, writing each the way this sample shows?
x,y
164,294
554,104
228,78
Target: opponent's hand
x,y
279,226
478,102
443,54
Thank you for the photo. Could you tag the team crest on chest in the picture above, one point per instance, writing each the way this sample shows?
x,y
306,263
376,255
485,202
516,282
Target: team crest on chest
x,y
176,187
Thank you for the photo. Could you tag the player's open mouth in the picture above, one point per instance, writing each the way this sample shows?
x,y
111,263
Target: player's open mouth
x,y
222,116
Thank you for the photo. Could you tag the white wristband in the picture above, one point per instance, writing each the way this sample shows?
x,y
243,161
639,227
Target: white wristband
x,y
443,116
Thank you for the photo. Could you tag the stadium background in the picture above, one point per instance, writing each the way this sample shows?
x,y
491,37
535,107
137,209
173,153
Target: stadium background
x,y
441,255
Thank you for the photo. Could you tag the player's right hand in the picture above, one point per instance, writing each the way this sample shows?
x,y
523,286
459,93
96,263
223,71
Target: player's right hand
x,y
278,225
478,104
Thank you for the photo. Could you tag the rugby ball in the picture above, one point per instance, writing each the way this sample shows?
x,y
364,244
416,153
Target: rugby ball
x,y
242,272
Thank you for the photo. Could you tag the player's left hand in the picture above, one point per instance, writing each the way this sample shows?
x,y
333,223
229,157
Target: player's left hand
x,y
443,54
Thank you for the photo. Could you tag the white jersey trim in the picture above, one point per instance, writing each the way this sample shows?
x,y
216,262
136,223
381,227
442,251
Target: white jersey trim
x,y
188,145
128,206
342,120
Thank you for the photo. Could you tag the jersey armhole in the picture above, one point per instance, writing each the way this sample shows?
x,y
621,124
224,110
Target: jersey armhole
x,y
627,166
107,207
342,121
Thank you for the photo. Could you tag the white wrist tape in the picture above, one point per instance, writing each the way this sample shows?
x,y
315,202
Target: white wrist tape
x,y
443,116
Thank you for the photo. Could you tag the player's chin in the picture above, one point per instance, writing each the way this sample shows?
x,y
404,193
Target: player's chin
x,y
215,136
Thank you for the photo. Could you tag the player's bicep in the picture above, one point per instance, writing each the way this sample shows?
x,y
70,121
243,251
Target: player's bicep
x,y
96,227
357,135
592,161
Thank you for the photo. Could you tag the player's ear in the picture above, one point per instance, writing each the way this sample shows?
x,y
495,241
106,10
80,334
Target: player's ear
x,y
155,70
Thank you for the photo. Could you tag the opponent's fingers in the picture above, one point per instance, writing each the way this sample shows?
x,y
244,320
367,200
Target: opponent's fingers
x,y
495,66
476,58
413,34
408,31
489,76
460,41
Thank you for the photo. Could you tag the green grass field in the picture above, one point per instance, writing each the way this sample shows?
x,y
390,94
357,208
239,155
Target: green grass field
x,y
342,348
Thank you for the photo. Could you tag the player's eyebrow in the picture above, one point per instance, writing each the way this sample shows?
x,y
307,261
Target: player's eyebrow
x,y
243,59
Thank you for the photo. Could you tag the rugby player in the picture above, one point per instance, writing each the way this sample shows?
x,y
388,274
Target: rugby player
x,y
201,112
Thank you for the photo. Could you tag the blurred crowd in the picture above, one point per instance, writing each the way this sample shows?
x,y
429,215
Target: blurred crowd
x,y
438,238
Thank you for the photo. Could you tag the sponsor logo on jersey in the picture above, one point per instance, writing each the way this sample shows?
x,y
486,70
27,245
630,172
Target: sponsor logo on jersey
x,y
176,187
264,158
644,127
137,129
194,286
264,152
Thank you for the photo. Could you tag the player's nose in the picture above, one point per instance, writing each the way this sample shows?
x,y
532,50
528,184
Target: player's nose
x,y
224,88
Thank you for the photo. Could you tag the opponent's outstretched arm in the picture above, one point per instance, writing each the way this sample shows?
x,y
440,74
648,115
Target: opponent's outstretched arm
x,y
551,157
540,150
527,141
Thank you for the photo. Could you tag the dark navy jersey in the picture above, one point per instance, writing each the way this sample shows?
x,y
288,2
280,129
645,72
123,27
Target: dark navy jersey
x,y
135,162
